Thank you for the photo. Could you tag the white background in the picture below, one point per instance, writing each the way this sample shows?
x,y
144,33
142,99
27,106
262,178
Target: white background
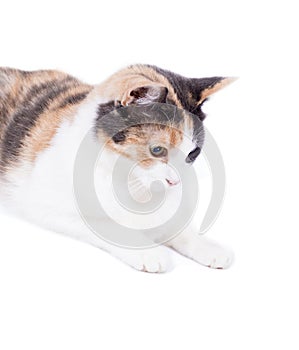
x,y
57,293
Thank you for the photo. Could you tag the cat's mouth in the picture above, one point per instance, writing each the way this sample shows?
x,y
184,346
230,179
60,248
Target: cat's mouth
x,y
172,182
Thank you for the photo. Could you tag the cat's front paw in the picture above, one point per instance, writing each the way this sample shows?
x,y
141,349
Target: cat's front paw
x,y
213,255
154,260
203,250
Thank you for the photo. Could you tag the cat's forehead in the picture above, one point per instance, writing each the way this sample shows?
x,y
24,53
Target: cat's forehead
x,y
153,120
167,135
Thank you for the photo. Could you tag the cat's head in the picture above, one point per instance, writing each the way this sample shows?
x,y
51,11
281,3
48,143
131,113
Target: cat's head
x,y
151,136
163,114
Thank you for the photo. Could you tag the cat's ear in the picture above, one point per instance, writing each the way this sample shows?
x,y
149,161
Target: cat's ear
x,y
205,87
145,94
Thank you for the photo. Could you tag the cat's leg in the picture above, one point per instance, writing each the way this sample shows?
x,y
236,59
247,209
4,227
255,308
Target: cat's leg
x,y
201,249
155,259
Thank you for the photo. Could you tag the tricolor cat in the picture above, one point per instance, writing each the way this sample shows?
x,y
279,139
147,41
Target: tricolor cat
x,y
45,115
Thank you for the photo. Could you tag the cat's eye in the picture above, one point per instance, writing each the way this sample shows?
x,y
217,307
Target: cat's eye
x,y
158,151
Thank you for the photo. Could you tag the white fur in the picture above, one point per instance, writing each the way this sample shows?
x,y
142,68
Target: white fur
x,y
43,194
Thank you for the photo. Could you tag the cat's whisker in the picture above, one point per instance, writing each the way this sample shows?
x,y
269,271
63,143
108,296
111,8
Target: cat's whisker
x,y
134,185
134,181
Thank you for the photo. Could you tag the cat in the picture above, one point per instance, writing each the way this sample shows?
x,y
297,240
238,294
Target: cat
x,y
45,115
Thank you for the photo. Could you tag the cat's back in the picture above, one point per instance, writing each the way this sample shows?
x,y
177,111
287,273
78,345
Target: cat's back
x,y
32,106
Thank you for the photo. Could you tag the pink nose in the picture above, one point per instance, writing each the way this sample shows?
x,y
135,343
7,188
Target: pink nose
x,y
172,182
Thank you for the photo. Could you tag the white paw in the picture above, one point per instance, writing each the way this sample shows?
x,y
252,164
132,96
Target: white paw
x,y
153,260
203,250
214,256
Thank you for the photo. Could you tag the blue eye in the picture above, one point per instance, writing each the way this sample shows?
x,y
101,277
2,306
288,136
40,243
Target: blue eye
x,y
158,151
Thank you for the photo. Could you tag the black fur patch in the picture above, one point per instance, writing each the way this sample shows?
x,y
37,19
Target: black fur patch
x,y
106,108
185,87
3,114
114,119
119,137
193,155
74,99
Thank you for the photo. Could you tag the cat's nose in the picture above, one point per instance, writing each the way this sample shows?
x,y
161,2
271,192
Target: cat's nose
x,y
172,182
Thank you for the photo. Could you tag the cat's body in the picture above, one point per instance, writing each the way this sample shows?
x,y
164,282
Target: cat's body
x,y
45,115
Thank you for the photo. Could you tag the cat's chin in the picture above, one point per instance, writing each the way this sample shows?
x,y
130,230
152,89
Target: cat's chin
x,y
143,193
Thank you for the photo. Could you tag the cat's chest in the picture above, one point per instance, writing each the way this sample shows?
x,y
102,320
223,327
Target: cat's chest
x,y
141,209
